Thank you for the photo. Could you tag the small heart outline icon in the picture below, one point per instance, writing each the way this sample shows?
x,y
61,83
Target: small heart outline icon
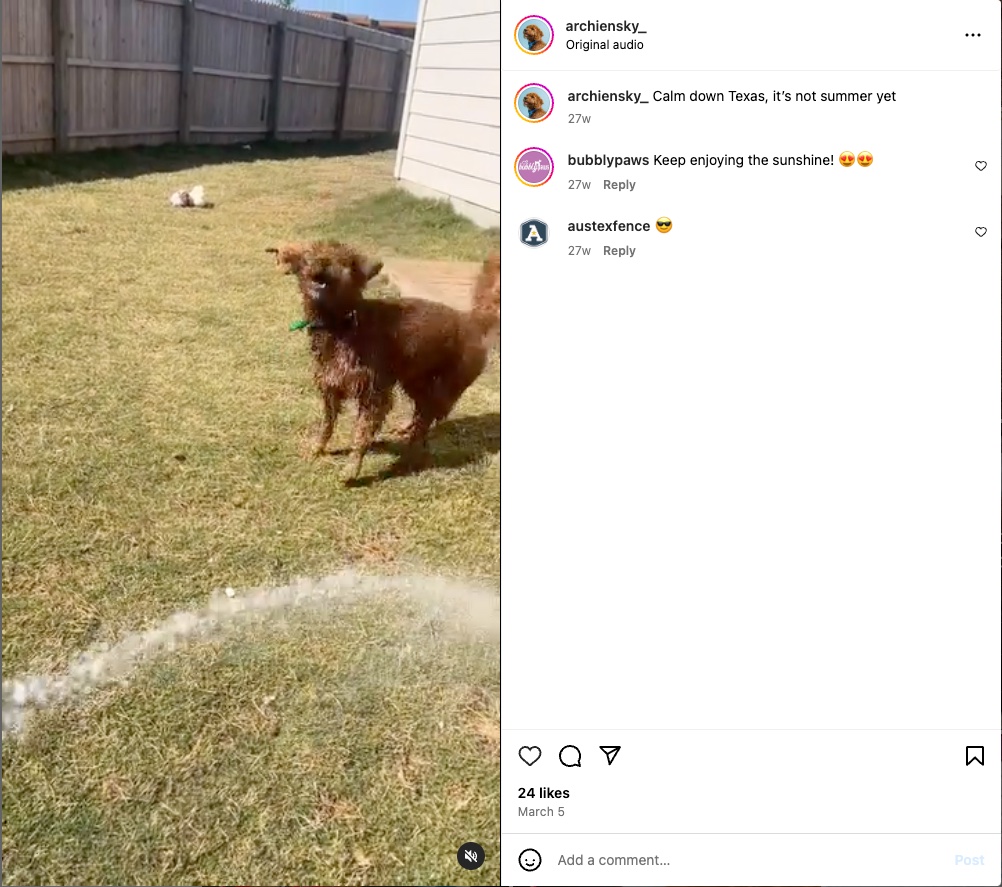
x,y
530,754
981,165
981,231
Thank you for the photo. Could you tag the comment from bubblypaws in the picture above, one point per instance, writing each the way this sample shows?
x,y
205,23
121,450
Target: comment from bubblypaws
x,y
590,171
583,163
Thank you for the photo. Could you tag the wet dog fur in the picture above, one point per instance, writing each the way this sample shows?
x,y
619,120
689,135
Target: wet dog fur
x,y
363,348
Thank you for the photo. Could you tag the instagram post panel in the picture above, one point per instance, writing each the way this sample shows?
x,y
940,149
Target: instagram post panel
x,y
252,593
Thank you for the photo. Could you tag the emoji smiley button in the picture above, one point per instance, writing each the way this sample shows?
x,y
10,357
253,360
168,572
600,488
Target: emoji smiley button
x,y
847,158
663,224
864,158
530,860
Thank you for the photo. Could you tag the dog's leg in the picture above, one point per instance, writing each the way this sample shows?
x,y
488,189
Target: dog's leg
x,y
418,439
401,432
427,413
404,432
372,413
432,408
332,409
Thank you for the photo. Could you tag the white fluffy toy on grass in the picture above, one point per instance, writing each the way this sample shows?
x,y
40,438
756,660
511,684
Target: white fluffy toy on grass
x,y
194,197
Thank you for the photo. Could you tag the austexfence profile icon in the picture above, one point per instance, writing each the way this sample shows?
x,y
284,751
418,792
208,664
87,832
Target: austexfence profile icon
x,y
534,167
534,34
534,102
534,232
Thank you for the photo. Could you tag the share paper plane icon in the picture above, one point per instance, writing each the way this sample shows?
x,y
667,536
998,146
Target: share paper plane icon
x,y
610,752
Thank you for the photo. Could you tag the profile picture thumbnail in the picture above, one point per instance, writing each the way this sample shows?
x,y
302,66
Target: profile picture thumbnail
x,y
534,102
534,167
534,34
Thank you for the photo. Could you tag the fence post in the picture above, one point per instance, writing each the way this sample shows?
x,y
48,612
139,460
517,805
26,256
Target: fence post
x,y
62,41
277,73
187,71
399,82
347,54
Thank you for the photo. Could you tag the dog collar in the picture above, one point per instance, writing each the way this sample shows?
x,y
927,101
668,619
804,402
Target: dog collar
x,y
314,325
304,324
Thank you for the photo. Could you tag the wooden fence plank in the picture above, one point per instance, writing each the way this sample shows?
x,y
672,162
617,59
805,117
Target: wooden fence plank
x,y
28,59
123,66
305,130
120,133
234,75
187,71
28,137
399,82
233,16
369,45
313,32
277,67
344,78
233,130
303,81
62,38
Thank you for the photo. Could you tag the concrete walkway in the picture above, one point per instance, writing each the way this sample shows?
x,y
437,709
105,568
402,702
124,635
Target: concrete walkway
x,y
448,282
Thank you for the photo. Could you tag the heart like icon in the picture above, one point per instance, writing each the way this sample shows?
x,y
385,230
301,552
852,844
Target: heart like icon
x,y
981,165
530,754
981,231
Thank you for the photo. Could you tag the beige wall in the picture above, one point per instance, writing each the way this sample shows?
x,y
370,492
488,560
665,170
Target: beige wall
x,y
450,140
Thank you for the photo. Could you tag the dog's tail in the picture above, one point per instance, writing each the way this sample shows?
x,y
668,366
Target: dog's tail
x,y
486,309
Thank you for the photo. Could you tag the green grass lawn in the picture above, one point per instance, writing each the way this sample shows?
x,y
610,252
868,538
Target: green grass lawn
x,y
155,412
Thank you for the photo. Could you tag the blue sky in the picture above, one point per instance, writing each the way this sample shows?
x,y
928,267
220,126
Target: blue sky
x,y
395,10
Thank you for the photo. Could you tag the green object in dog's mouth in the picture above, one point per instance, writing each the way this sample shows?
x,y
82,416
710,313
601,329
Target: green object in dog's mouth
x,y
298,325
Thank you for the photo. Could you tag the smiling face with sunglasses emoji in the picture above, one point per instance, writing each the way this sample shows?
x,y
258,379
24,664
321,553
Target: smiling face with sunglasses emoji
x,y
663,224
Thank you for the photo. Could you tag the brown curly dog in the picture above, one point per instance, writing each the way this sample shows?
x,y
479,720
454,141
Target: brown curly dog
x,y
533,102
363,348
534,37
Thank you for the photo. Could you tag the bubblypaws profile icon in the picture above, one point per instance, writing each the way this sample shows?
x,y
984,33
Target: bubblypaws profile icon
x,y
534,167
534,34
534,102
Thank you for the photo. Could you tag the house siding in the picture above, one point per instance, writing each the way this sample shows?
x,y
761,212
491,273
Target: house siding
x,y
450,138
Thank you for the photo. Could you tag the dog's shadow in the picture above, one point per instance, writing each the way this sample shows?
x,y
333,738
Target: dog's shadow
x,y
455,443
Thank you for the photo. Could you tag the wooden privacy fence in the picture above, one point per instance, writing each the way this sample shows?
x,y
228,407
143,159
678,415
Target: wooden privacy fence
x,y
81,74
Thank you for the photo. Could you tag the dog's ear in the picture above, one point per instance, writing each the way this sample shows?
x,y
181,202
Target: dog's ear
x,y
364,267
282,258
294,259
370,268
